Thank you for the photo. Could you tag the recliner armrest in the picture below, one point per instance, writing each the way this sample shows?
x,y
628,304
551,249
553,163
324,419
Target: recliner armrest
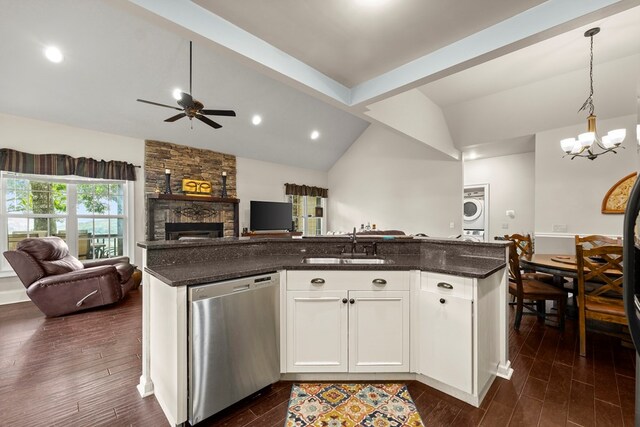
x,y
78,275
76,290
106,261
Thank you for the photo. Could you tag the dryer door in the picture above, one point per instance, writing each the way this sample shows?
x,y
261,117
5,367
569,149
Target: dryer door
x,y
472,209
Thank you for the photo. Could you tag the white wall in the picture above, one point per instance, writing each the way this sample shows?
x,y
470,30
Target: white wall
x,y
396,183
415,115
257,180
570,192
545,104
511,187
38,137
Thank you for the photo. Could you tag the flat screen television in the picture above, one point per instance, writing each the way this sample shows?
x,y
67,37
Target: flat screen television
x,y
270,216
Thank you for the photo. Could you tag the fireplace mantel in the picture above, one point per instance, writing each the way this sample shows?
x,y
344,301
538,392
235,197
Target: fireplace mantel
x,y
186,197
153,198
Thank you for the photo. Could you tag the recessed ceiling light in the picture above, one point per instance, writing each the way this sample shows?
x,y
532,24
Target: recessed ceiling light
x,y
53,54
256,119
315,135
177,94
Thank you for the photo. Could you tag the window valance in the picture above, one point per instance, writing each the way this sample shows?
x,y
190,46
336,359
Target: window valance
x,y
62,164
305,190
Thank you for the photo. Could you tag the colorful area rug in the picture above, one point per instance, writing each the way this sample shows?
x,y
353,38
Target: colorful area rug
x,y
350,405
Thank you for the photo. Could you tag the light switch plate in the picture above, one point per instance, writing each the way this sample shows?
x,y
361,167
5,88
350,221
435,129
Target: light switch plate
x,y
452,224
505,225
559,228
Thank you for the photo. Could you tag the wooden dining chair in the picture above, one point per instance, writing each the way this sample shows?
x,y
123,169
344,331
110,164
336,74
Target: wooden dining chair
x,y
524,248
595,240
603,299
534,291
524,243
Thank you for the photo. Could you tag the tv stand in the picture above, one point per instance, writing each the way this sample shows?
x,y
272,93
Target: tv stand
x,y
272,234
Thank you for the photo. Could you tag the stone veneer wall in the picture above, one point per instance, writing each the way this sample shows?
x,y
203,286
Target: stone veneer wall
x,y
188,162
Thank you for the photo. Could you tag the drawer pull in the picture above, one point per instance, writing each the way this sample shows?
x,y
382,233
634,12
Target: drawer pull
x,y
379,282
442,300
317,281
352,301
445,285
344,300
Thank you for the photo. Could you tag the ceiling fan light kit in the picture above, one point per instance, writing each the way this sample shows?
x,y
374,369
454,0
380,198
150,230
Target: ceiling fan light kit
x,y
192,108
584,146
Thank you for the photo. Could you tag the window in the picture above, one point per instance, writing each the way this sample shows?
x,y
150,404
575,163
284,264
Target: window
x,y
308,214
89,214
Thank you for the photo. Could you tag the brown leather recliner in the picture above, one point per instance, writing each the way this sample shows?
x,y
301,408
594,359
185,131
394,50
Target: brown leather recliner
x,y
60,284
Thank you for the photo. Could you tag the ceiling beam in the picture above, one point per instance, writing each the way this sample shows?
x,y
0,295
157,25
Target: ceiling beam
x,y
526,28
477,48
197,19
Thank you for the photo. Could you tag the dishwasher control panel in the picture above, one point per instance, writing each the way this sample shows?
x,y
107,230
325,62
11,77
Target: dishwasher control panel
x,y
217,289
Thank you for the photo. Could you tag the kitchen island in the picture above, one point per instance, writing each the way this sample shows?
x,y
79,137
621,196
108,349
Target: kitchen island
x,y
431,310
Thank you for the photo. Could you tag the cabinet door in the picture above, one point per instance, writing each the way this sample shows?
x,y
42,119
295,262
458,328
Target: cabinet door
x,y
379,331
317,331
445,339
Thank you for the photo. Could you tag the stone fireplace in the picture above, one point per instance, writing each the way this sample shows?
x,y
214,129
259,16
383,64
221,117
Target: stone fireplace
x,y
174,215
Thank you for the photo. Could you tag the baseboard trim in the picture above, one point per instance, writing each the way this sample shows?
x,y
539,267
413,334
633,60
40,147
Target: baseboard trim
x,y
13,296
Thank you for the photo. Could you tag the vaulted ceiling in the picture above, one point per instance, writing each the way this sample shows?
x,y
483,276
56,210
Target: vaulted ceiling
x,y
313,65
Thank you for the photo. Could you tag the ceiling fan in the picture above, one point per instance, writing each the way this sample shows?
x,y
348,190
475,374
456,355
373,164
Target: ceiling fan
x,y
192,108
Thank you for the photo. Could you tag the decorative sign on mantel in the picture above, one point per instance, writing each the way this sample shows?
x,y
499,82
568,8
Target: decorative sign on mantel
x,y
615,201
194,187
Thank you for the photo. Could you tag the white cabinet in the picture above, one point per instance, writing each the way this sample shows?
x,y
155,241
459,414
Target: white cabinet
x,y
316,326
458,333
379,331
445,344
350,321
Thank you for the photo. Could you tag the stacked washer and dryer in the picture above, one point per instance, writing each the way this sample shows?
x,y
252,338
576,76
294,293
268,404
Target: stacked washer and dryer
x,y
474,214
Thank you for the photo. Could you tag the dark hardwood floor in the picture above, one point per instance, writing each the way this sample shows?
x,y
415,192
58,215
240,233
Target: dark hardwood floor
x,y
81,370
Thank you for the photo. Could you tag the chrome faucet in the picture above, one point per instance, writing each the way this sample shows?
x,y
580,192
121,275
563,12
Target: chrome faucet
x,y
353,241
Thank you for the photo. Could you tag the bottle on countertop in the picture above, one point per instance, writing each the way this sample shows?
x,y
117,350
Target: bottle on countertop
x,y
368,227
361,228
373,227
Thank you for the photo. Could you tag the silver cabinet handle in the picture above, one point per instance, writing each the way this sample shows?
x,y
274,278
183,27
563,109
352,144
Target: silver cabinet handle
x,y
379,282
445,285
317,281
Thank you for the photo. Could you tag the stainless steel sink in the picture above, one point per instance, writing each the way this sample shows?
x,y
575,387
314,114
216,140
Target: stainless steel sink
x,y
336,260
323,260
365,261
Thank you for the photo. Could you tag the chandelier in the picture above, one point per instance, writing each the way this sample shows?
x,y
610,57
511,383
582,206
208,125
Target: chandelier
x,y
589,144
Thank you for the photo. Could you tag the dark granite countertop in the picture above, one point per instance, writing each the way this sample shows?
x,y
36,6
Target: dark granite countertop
x,y
343,238
225,269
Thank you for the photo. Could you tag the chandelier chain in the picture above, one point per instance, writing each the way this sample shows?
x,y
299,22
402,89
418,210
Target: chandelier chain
x,y
589,102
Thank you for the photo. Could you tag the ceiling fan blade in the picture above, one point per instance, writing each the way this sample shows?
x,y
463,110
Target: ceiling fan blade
x,y
230,113
176,117
159,105
185,100
208,121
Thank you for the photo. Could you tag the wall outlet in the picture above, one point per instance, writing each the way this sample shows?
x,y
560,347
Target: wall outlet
x,y
559,228
452,224
505,226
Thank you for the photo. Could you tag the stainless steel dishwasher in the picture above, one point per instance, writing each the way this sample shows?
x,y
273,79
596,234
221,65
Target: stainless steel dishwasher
x,y
233,342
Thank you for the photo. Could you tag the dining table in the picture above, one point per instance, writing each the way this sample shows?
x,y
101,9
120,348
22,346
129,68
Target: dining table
x,y
561,266
558,265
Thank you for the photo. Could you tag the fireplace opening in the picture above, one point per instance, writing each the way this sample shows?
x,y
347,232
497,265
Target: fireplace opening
x,y
193,230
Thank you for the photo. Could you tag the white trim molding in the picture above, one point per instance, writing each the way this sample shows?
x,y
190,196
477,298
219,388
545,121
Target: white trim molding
x,y
12,296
